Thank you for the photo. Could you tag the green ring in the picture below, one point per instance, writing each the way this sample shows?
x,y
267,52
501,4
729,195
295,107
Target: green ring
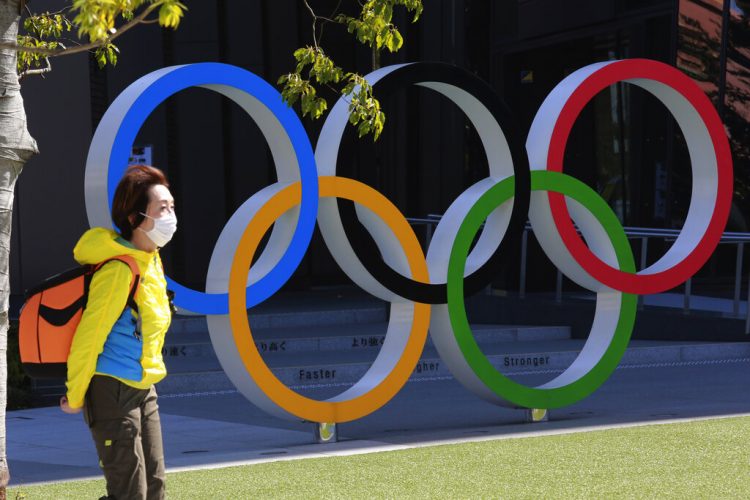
x,y
521,395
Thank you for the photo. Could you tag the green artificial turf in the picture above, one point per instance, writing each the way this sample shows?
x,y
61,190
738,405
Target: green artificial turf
x,y
701,459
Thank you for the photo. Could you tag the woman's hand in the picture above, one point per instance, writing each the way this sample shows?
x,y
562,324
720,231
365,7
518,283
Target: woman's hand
x,y
64,406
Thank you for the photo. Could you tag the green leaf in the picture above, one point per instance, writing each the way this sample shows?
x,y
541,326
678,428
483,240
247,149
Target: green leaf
x,y
363,129
170,13
395,41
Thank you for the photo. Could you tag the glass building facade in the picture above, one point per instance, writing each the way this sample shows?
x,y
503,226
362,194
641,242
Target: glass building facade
x,y
625,144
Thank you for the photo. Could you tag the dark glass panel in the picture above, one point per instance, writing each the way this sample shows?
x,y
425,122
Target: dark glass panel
x,y
737,109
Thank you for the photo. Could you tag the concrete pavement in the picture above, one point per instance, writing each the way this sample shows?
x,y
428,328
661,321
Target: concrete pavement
x,y
222,428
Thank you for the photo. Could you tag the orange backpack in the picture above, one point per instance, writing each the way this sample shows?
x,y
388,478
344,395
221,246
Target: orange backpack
x,y
51,313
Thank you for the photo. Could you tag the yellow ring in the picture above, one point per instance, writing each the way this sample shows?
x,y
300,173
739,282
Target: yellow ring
x,y
287,399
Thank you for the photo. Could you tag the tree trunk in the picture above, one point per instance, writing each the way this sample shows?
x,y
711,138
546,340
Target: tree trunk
x,y
16,146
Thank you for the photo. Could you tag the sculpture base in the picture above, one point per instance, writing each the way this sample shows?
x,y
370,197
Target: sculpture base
x,y
325,433
534,415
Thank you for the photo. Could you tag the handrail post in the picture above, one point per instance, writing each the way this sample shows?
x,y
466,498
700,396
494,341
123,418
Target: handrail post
x,y
686,301
524,244
738,278
427,235
558,288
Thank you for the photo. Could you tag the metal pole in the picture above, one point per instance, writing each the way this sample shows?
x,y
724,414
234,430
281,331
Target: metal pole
x,y
644,253
558,288
686,303
524,243
427,235
738,278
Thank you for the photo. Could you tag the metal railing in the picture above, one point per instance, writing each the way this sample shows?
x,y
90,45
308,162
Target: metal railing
x,y
644,234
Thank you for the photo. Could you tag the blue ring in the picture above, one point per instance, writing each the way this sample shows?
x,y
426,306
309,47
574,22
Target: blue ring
x,y
192,75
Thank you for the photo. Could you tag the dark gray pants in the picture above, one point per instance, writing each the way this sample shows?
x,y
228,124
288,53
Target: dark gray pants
x,y
125,425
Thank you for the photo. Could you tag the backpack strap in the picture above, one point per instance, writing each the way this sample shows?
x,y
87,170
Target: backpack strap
x,y
134,280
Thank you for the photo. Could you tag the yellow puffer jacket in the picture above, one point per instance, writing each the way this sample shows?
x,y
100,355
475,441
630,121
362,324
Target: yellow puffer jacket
x,y
109,340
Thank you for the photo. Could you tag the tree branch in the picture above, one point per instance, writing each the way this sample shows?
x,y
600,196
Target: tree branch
x,y
40,71
315,20
329,19
140,19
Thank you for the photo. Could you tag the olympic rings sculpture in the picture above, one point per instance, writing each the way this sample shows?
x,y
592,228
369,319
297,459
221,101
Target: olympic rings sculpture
x,y
375,246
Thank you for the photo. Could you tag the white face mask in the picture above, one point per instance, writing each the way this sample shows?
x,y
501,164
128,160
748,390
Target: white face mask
x,y
163,230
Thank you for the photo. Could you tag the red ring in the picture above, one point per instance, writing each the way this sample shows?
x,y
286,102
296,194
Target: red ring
x,y
599,270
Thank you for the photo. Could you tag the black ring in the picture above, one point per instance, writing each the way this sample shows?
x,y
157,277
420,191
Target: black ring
x,y
361,240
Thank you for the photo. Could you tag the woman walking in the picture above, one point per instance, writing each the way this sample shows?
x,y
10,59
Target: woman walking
x,y
115,358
